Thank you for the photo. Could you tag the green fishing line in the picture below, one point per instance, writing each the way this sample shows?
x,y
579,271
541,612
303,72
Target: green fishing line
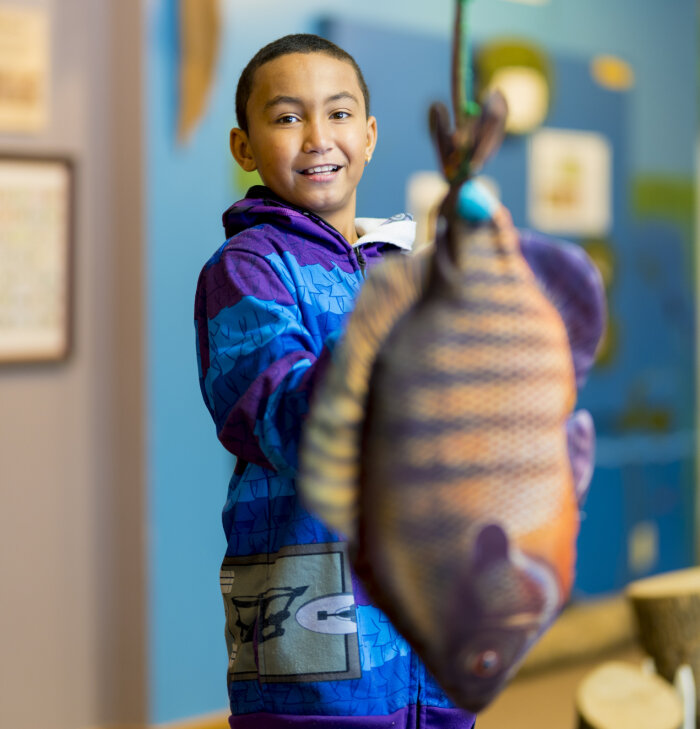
x,y
465,106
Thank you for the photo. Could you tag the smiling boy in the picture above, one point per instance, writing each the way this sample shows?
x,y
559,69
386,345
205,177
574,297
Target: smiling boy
x,y
307,131
306,647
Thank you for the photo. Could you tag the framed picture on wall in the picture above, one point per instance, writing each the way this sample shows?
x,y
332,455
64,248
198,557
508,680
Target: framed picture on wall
x,y
36,208
570,182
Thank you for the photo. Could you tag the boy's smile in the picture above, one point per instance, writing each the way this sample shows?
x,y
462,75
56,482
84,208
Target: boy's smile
x,y
308,134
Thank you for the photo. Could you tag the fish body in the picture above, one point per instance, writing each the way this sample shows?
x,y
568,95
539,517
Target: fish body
x,y
465,434
443,446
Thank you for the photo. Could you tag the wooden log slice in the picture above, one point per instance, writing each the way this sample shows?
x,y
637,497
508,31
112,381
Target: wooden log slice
x,y
667,609
620,695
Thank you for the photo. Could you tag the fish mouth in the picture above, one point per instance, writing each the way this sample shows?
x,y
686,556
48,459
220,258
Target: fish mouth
x,y
320,170
476,704
476,694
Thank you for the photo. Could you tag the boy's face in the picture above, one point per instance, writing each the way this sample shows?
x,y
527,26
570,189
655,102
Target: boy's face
x,y
308,134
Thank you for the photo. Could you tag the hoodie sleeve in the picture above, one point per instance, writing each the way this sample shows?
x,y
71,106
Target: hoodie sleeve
x,y
258,362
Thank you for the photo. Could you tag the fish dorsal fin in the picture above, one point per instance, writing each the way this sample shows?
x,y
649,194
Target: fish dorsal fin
x,y
570,280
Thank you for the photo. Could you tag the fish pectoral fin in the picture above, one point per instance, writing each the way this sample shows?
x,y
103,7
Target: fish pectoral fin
x,y
491,544
580,439
507,580
501,592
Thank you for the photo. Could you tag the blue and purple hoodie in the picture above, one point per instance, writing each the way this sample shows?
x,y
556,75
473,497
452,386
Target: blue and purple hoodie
x,y
306,647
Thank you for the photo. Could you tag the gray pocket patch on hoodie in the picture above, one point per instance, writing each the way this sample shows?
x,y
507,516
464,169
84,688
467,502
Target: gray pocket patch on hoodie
x,y
290,616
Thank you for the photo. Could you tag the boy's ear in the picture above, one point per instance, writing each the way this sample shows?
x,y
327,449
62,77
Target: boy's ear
x,y
241,151
371,137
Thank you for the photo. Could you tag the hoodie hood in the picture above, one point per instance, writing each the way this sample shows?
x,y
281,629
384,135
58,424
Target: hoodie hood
x,y
399,230
261,206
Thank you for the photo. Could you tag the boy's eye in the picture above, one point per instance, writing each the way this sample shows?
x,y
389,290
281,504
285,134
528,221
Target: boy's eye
x,y
286,119
340,115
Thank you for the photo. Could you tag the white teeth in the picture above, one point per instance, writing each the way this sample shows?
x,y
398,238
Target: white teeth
x,y
322,168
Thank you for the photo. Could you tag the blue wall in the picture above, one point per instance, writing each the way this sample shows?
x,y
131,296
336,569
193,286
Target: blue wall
x,y
188,188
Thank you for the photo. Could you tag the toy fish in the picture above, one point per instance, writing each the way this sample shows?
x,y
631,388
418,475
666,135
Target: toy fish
x,y
442,442
442,445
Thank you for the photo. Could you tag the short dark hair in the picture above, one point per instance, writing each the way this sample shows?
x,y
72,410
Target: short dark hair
x,y
295,43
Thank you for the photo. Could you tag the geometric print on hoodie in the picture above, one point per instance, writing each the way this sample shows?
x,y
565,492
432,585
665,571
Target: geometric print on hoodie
x,y
306,647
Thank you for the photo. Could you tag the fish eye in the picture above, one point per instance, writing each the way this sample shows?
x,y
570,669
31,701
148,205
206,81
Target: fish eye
x,y
484,664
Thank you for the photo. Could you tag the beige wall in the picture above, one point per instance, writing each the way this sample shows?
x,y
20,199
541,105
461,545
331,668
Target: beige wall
x,y
71,454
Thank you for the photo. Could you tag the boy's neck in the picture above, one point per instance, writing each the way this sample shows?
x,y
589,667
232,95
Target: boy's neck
x,y
343,222
345,227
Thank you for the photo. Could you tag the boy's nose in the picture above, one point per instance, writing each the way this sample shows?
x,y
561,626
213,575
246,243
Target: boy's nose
x,y
317,138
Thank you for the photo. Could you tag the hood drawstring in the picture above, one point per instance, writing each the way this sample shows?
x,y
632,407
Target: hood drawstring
x,y
361,260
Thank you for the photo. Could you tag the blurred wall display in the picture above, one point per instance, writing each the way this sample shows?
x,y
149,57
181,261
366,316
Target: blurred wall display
x,y
425,191
612,72
522,72
200,29
35,242
24,68
569,182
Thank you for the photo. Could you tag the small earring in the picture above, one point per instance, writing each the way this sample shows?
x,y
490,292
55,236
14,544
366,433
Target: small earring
x,y
367,161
